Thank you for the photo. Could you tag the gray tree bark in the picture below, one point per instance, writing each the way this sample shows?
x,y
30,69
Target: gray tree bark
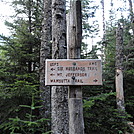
x,y
103,17
45,53
131,15
119,69
74,36
59,99
104,31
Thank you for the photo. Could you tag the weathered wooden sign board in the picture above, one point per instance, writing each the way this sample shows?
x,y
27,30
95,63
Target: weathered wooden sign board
x,y
73,72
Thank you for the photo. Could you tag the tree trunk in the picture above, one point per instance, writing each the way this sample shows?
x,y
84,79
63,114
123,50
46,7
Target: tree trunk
x,y
45,51
30,31
74,36
104,32
59,101
131,15
119,69
103,17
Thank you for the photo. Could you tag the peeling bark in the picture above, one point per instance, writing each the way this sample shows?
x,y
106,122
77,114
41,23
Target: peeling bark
x,y
119,90
119,69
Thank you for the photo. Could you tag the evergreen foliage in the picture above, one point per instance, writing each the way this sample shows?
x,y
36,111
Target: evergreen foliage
x,y
90,27
100,111
19,74
102,117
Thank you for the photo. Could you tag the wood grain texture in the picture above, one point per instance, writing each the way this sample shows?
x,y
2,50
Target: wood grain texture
x,y
74,36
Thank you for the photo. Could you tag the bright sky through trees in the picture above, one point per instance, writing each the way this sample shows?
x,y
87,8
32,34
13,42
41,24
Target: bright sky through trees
x,y
6,11
120,8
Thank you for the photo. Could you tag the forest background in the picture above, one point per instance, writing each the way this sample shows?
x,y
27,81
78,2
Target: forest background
x,y
21,102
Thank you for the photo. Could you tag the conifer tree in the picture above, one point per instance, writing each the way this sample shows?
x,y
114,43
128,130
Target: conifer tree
x,y
20,76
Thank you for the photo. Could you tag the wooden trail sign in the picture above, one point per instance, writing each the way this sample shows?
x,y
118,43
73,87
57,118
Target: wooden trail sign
x,y
73,72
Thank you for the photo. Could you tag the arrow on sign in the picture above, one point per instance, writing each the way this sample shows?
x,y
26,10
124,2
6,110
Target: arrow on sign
x,y
52,74
95,80
52,69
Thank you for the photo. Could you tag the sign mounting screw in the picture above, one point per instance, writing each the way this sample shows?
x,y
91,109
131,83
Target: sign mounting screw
x,y
74,63
73,77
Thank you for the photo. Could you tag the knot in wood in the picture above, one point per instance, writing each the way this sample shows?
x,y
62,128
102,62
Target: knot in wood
x,y
59,15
